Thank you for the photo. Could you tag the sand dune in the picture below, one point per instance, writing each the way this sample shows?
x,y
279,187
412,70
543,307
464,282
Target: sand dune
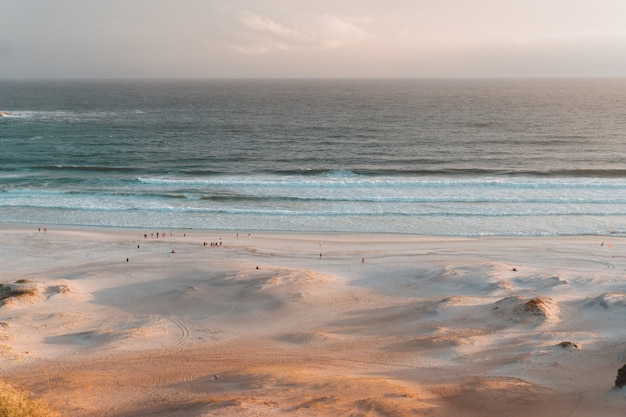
x,y
109,323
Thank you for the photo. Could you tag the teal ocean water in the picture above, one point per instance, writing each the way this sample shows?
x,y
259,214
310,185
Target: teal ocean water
x,y
433,157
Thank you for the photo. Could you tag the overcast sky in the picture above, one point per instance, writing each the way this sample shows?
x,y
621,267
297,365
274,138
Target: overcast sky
x,y
312,38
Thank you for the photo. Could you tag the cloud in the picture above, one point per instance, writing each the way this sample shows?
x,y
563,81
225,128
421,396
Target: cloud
x,y
266,34
248,38
342,31
265,24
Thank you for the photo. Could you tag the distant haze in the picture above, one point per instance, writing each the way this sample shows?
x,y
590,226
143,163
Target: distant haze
x,y
312,38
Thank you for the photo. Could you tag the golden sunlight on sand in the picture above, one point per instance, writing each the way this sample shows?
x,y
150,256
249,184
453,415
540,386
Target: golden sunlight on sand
x,y
200,323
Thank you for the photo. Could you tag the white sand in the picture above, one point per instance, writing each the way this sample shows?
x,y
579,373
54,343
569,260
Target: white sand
x,y
424,326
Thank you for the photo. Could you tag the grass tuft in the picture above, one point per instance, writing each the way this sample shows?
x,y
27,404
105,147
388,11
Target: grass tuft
x,y
15,403
13,291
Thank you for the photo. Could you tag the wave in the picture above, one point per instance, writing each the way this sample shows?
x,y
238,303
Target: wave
x,y
307,172
63,115
574,173
471,173
12,175
103,180
86,168
306,214
456,172
227,197
350,179
612,178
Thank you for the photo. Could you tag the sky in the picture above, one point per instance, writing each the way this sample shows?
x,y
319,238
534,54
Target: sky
x,y
311,38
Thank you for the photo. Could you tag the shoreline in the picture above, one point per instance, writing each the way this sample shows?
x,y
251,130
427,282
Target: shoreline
x,y
178,230
113,323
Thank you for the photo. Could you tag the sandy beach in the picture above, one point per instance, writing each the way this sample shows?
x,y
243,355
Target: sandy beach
x,y
121,323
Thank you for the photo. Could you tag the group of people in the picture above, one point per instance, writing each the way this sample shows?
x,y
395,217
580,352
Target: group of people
x,y
164,234
213,244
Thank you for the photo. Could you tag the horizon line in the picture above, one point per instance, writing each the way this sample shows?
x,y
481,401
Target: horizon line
x,y
526,77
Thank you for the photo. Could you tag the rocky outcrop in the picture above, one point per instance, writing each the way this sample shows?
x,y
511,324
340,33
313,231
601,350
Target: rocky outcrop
x,y
569,345
620,381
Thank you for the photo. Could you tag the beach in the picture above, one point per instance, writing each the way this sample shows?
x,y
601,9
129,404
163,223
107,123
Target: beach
x,y
120,322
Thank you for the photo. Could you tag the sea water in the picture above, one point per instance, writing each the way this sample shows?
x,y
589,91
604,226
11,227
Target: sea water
x,y
433,157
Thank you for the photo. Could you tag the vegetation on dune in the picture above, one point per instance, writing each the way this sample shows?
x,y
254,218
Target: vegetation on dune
x,y
17,290
15,403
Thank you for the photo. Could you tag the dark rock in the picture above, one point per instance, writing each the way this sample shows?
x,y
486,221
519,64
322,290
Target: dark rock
x,y
620,381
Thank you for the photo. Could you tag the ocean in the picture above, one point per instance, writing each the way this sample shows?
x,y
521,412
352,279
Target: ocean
x,y
423,156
